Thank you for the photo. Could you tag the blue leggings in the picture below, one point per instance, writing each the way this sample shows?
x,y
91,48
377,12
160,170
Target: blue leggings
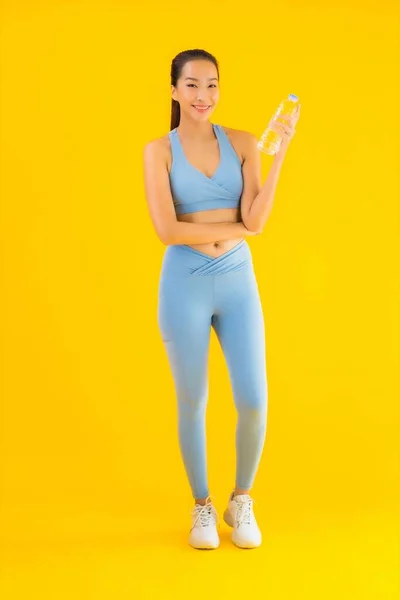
x,y
197,292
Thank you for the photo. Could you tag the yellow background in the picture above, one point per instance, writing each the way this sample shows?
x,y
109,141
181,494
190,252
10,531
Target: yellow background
x,y
94,499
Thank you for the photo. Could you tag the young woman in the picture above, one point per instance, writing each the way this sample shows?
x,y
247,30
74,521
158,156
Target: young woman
x,y
204,193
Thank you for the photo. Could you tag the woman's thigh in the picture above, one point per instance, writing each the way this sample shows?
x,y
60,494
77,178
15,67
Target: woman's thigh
x,y
184,318
239,326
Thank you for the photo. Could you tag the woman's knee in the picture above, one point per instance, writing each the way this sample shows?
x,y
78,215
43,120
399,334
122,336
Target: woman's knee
x,y
252,404
192,405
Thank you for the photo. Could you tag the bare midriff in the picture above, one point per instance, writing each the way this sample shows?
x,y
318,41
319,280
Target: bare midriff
x,y
219,215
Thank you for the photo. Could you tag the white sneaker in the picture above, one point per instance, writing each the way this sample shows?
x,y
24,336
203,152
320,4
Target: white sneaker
x,y
240,516
203,533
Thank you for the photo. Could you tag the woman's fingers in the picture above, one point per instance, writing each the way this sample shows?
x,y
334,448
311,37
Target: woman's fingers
x,y
281,128
286,120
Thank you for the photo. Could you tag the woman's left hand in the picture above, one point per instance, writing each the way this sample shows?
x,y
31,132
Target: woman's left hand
x,y
286,127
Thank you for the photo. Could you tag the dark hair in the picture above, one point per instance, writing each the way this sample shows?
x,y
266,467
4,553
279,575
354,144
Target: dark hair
x,y
176,70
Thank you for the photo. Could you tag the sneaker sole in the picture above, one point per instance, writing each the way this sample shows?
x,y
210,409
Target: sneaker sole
x,y
205,547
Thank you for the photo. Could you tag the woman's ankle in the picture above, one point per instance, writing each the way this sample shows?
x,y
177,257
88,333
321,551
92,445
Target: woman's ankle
x,y
203,501
240,492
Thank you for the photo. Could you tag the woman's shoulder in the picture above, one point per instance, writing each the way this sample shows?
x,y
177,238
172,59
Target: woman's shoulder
x,y
162,147
240,139
239,134
159,145
160,141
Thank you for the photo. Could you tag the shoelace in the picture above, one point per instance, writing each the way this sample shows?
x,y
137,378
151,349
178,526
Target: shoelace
x,y
206,515
243,513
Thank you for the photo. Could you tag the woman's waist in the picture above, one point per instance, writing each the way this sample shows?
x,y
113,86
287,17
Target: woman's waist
x,y
216,249
222,215
183,260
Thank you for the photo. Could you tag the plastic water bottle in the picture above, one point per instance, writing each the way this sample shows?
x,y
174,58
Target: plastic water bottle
x,y
270,141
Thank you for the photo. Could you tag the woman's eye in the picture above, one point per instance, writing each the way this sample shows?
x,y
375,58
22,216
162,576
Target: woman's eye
x,y
189,84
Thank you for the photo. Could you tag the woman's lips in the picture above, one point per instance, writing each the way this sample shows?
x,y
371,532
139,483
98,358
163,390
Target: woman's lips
x,y
200,109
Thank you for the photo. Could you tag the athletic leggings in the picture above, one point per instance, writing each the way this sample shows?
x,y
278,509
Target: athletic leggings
x,y
197,292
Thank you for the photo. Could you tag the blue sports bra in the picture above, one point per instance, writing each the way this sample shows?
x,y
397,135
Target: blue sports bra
x,y
192,190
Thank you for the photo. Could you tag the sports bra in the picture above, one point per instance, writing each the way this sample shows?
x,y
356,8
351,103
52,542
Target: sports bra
x,y
192,190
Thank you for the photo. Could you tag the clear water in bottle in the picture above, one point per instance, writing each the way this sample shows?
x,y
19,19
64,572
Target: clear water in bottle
x,y
270,141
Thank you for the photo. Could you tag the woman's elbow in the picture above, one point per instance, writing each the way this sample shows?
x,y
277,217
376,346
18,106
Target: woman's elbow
x,y
255,228
164,239
252,225
167,236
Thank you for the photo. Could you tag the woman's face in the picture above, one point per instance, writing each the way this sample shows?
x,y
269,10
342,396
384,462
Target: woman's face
x,y
197,86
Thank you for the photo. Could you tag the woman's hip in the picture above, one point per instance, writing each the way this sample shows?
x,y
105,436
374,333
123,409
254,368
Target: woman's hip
x,y
194,285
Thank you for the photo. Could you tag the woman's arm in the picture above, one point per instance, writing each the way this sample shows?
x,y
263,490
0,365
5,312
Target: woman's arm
x,y
202,233
162,210
257,199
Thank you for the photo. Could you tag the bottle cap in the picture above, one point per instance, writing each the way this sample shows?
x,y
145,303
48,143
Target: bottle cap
x,y
293,97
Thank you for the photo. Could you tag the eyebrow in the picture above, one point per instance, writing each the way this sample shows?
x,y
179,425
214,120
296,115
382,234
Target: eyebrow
x,y
194,78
